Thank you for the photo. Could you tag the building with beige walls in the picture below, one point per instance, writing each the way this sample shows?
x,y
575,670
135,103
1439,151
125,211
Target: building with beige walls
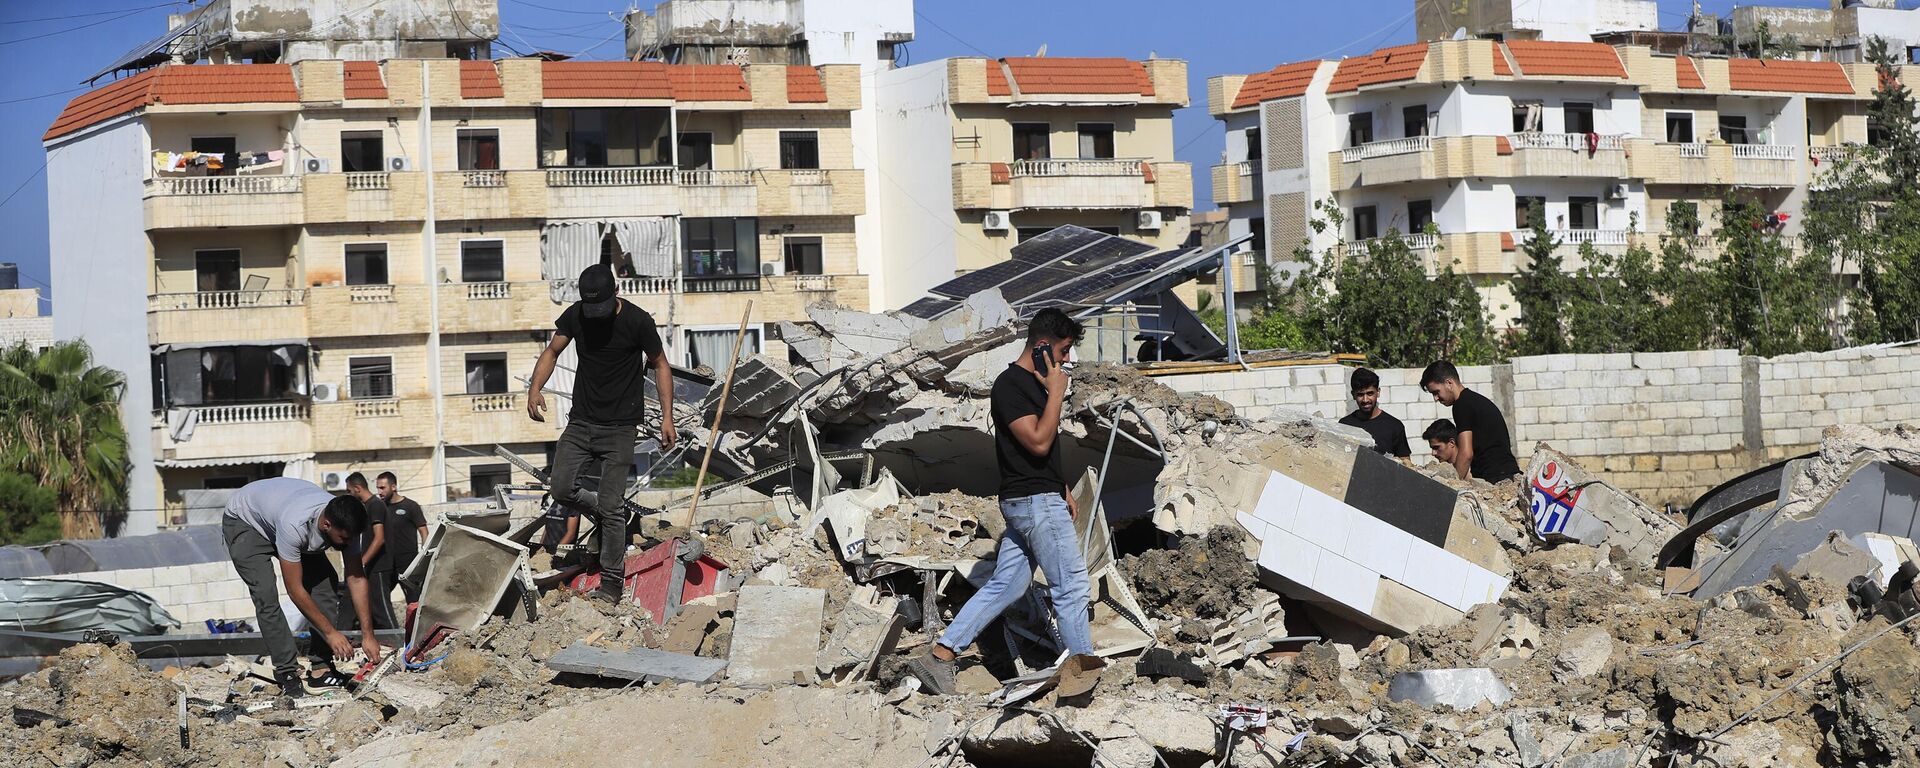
x,y
979,154
317,267
1452,143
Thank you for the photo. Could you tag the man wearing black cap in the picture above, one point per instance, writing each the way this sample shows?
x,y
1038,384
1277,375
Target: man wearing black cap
x,y
618,343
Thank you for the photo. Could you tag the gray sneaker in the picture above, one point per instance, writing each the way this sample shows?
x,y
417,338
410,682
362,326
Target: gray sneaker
x,y
939,677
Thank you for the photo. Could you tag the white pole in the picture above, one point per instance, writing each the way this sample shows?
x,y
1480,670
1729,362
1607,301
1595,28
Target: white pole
x,y
431,276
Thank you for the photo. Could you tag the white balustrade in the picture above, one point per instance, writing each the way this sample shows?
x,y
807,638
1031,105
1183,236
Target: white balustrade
x,y
610,177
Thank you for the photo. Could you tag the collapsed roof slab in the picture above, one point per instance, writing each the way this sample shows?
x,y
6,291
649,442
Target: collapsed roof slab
x,y
1877,496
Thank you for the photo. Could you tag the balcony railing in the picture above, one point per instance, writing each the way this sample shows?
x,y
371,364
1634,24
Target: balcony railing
x,y
226,185
702,178
360,182
808,177
370,294
1244,167
1419,242
375,409
1577,237
165,302
813,283
645,286
1764,152
1386,148
610,177
493,403
1692,150
489,291
251,413
1830,155
1028,168
1567,141
731,284
483,178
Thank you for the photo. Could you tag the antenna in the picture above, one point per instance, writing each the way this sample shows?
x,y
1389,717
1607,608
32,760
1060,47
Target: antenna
x,y
1042,53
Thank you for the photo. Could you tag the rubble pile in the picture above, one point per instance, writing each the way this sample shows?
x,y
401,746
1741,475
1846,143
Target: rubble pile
x,y
1442,624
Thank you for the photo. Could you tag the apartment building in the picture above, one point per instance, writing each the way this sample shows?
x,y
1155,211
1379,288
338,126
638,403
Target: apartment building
x,y
1554,20
316,267
1469,136
979,154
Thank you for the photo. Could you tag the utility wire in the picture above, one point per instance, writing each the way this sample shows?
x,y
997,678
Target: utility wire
x,y
57,32
42,96
957,38
555,10
88,15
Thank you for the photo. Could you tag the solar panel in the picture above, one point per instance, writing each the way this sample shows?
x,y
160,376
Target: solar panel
x,y
1054,243
1099,285
930,307
980,280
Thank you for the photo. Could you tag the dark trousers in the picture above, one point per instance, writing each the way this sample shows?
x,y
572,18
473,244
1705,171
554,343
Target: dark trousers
x,y
612,446
253,558
379,594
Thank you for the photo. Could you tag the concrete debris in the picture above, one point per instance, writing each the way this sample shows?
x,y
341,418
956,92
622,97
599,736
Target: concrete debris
x,y
867,628
1457,688
1868,496
1252,632
776,635
1584,652
636,664
1570,503
1505,636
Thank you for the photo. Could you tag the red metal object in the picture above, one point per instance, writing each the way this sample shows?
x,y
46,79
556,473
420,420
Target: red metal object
x,y
650,577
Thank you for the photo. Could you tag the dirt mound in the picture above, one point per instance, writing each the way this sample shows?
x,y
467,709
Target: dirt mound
x,y
1096,383
1207,577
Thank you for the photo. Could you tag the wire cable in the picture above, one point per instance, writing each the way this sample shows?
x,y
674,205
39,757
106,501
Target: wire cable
x,y
57,32
95,13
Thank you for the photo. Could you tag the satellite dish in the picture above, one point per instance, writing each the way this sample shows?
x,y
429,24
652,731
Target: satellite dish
x,y
1460,34
1042,53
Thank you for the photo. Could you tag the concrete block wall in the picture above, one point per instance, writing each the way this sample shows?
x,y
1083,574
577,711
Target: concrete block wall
x,y
1664,426
192,593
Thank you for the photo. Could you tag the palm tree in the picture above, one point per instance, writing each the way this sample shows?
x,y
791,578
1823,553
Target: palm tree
x,y
60,426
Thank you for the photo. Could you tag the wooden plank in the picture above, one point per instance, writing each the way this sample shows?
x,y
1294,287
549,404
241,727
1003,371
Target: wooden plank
x,y
637,664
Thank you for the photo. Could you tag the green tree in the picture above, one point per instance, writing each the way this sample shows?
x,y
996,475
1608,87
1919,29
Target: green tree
x,y
1544,291
1768,301
1380,299
1890,270
61,429
1683,316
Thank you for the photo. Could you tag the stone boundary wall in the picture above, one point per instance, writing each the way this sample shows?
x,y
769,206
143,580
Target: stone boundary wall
x,y
192,593
1666,426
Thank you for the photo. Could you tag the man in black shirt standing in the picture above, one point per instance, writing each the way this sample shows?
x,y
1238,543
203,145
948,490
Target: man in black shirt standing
x,y
376,559
1389,435
1026,405
406,530
1483,450
618,344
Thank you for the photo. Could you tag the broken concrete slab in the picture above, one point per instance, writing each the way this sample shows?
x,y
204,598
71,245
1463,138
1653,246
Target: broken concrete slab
x,y
1612,758
1890,550
470,573
643,664
868,627
689,628
1506,636
1874,496
1457,688
776,635
1837,560
1584,652
1570,503
847,512
1249,633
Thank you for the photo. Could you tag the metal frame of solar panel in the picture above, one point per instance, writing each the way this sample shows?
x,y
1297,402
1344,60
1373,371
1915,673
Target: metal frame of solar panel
x,y
1055,257
1098,288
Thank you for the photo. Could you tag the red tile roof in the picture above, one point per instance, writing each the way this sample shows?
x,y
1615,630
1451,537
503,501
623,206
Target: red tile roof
x,y
1501,66
604,80
1687,74
1788,76
1080,76
710,82
997,80
362,80
479,80
1386,65
1538,57
178,84
1281,82
804,86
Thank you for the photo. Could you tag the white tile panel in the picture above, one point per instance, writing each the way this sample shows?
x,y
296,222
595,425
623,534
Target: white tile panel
x,y
1436,573
1290,556
1483,586
1324,520
1256,527
1379,546
1346,582
1279,500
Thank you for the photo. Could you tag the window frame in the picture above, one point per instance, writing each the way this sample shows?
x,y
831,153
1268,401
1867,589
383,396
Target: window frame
x,y
1415,227
1692,121
800,139
1110,133
460,141
1407,119
1577,203
346,262
687,336
1522,213
787,257
239,272
1745,129
736,229
505,378
1373,222
1045,146
231,140
504,473
679,160
501,242
1255,149
1359,124
380,159
353,390
1570,108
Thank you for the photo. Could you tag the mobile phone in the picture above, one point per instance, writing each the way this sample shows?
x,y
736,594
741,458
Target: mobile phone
x,y
1042,358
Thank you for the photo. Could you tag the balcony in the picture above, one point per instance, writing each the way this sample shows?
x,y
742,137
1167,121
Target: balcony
x,y
1831,165
1235,183
479,195
368,197
1392,161
492,307
612,192
366,310
1571,241
373,424
487,419
727,284
718,194
243,429
223,201
812,192
1386,148
1568,155
1088,184
234,316
1767,165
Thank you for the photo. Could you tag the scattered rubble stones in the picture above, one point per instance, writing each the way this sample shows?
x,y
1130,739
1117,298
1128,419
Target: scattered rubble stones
x,y
1207,577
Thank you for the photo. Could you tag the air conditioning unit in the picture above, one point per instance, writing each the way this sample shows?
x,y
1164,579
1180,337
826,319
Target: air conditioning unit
x,y
997,221
326,393
772,269
1617,192
334,481
399,164
1148,221
318,165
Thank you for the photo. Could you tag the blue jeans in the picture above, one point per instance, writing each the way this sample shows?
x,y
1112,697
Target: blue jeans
x,y
1038,530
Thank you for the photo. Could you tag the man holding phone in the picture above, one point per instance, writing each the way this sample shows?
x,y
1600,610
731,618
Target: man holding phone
x,y
1027,401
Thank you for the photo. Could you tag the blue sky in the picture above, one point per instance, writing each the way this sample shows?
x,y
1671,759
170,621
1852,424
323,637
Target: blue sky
x,y
49,47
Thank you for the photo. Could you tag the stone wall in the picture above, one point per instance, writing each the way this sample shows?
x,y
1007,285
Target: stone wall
x,y
1665,426
192,593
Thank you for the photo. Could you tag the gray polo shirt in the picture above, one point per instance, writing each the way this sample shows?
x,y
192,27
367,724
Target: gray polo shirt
x,y
285,511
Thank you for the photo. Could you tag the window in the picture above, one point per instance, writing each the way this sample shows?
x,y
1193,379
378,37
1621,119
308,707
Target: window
x,y
696,151
1096,141
486,373
1258,228
369,378
1877,134
1579,117
1032,141
1413,121
1253,144
804,256
1419,215
1366,223
486,477
1360,129
799,150
1524,208
599,137
1583,212
714,349
1526,116
1680,127
482,261
217,270
216,145
367,264
479,149
362,152
720,247
1733,129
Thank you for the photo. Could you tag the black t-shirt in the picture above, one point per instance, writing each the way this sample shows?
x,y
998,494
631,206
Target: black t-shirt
x,y
1017,393
1492,452
609,388
404,520
1389,435
377,515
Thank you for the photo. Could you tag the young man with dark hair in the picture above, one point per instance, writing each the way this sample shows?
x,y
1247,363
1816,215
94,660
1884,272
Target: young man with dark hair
x,y
376,558
1441,437
297,522
406,529
618,345
1484,450
1389,435
1026,404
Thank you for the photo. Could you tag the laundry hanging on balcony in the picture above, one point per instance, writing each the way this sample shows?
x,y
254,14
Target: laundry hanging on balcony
x,y
244,162
637,247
